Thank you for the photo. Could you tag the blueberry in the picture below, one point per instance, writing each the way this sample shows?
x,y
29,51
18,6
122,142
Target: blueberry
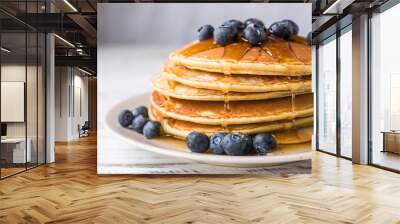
x,y
284,29
205,32
139,122
255,21
249,144
254,34
216,143
142,110
125,118
225,35
197,142
309,38
264,143
236,144
294,26
233,22
152,129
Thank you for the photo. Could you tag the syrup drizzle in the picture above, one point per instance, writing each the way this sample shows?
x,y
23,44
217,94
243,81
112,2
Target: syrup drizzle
x,y
232,52
227,108
236,51
293,108
198,47
172,84
266,49
169,105
289,46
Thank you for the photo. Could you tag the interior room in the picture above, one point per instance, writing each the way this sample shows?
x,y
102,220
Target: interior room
x,y
333,51
50,127
22,102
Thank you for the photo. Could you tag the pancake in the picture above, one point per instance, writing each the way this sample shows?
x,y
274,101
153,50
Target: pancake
x,y
236,82
275,56
175,89
234,112
180,129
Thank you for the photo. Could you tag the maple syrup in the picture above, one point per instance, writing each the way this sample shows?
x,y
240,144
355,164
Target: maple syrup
x,y
293,108
227,108
169,105
200,46
172,84
232,52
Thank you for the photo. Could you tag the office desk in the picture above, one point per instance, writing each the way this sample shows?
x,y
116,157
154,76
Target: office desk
x,y
391,141
17,150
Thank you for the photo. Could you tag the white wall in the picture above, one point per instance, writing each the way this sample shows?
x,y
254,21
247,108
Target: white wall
x,y
15,72
80,110
70,84
33,127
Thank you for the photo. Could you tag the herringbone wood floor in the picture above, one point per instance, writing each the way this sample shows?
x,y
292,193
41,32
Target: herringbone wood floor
x,y
70,191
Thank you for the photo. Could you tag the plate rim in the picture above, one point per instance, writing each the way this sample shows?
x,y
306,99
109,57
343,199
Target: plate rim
x,y
111,123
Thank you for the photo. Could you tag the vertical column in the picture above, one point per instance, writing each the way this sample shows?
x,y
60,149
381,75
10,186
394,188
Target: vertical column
x,y
360,90
50,92
50,98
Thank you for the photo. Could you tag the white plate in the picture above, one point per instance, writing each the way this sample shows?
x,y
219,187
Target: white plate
x,y
169,146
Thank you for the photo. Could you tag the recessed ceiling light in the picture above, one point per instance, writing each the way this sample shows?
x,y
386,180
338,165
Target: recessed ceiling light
x,y
64,40
84,71
338,6
5,50
70,5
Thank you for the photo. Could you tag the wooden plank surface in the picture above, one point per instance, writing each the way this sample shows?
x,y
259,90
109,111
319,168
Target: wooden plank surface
x,y
70,191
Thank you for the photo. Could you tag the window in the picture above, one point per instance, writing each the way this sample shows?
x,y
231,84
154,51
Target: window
x,y
326,101
346,92
385,89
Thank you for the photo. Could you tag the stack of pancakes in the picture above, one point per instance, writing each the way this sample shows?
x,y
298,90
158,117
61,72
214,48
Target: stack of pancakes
x,y
237,88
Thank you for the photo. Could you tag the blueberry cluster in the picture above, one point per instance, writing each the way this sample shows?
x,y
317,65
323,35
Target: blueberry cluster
x,y
234,144
252,31
138,120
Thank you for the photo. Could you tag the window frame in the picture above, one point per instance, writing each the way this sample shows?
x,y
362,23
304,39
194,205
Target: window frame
x,y
333,37
378,10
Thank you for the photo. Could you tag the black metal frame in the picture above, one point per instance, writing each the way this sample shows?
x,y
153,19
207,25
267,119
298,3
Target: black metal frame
x,y
44,77
369,115
338,98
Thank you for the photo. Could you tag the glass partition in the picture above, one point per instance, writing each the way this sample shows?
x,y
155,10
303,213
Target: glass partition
x,y
326,101
23,89
13,109
32,96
